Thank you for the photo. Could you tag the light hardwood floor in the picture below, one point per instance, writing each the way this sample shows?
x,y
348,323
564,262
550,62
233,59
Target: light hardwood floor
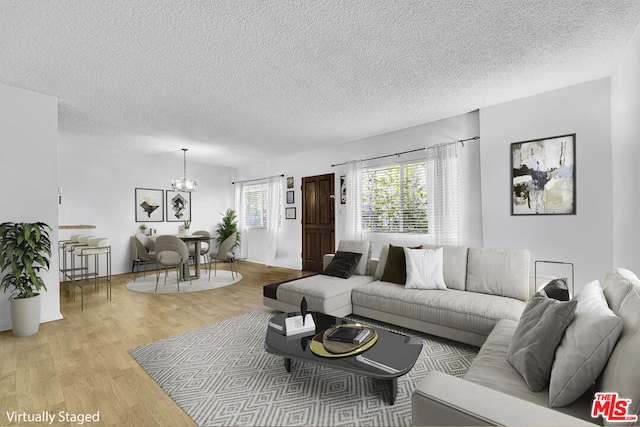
x,y
80,364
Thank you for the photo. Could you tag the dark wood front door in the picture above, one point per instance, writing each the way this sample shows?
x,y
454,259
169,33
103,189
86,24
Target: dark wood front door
x,y
318,220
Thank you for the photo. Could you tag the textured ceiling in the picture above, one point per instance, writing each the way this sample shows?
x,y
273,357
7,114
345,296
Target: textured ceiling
x,y
240,80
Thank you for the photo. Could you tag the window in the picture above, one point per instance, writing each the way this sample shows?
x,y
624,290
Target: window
x,y
394,199
255,205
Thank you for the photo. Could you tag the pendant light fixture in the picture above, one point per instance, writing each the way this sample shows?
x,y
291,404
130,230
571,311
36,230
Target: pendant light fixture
x,y
184,184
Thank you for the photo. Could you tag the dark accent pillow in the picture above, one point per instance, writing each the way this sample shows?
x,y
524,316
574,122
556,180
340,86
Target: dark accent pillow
x,y
538,334
395,270
557,289
343,264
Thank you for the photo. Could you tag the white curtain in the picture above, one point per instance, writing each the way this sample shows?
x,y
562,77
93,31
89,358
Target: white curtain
x,y
242,226
274,215
443,192
353,226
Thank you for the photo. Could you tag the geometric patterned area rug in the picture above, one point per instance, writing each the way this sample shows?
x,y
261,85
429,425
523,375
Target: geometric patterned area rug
x,y
147,284
221,375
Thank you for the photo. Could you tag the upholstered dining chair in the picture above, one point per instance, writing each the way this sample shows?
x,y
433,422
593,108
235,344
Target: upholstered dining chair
x,y
171,251
204,246
224,254
146,252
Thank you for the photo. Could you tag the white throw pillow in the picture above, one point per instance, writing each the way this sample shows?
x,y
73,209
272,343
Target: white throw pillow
x,y
424,269
585,347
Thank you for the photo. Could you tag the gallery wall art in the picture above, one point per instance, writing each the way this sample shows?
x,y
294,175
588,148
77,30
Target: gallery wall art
x,y
149,205
543,176
178,206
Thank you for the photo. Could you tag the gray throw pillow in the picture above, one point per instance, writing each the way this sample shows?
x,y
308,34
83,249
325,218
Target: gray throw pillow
x,y
539,331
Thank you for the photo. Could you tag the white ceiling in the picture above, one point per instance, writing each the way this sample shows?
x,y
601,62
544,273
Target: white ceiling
x,y
242,80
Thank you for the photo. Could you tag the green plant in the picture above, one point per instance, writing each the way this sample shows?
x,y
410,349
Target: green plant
x,y
227,227
25,249
187,224
143,227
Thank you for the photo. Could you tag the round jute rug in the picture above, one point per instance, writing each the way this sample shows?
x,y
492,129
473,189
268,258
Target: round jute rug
x,y
147,284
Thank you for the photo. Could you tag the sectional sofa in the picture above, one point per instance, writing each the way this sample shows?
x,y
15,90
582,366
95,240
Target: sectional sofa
x,y
483,286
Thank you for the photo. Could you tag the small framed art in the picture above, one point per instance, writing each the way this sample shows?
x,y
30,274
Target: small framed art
x,y
543,176
290,182
290,197
178,206
343,189
290,213
149,204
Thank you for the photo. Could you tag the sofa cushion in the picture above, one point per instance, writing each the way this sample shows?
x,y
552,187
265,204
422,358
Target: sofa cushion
x,y
491,369
454,265
424,269
343,264
382,261
326,294
537,336
585,347
622,373
466,311
360,246
616,285
502,272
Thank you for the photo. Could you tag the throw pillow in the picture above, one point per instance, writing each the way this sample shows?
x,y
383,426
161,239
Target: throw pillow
x,y
343,264
537,336
359,246
585,347
395,270
557,289
424,269
382,261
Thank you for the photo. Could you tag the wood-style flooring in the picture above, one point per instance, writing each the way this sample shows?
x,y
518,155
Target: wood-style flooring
x,y
80,364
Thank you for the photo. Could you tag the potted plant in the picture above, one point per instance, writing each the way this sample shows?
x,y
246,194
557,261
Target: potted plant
x,y
25,249
143,228
186,228
227,227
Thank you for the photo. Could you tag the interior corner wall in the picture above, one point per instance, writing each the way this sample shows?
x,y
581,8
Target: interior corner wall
x,y
583,239
29,131
625,141
318,162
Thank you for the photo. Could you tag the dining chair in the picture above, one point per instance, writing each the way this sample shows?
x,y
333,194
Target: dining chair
x,y
224,254
205,247
171,251
146,253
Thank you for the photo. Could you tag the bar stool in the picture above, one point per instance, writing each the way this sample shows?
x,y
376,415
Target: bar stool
x,y
70,272
64,249
95,246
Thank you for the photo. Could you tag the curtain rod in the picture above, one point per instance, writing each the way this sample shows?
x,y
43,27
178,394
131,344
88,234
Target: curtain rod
x,y
461,141
258,179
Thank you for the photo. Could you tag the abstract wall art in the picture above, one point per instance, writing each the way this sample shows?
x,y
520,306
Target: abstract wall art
x,y
149,204
178,206
543,176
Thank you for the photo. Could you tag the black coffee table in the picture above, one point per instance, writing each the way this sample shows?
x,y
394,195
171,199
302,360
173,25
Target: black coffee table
x,y
392,356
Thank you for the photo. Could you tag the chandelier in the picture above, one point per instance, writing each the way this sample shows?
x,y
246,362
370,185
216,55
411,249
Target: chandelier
x,y
184,184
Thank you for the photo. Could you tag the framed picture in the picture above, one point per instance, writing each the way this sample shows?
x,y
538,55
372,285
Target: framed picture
x,y
543,176
290,197
290,213
178,206
343,189
149,204
290,182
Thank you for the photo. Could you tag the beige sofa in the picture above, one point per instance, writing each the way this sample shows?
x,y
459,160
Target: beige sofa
x,y
494,393
483,286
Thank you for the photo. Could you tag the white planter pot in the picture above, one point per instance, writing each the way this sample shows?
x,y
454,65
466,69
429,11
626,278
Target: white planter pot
x,y
25,316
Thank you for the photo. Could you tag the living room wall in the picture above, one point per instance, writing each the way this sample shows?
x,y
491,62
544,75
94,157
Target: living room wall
x,y
319,161
29,129
99,187
583,239
625,111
